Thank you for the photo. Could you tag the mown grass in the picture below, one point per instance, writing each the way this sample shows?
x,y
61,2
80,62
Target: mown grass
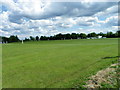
x,y
0,66
55,64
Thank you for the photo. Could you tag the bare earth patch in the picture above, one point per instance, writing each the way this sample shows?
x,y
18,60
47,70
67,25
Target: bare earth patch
x,y
107,76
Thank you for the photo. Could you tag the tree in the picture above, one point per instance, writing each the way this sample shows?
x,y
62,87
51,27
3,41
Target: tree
x,y
13,38
41,38
5,39
104,35
67,36
83,36
32,38
44,38
93,34
118,33
37,38
58,36
51,38
74,36
100,34
26,39
109,35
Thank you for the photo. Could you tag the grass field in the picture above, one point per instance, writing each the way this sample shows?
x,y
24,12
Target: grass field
x,y
55,64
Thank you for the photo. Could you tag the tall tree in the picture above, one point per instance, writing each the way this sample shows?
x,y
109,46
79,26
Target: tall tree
x,y
109,34
5,39
68,36
32,38
93,34
37,38
13,38
74,36
26,39
83,36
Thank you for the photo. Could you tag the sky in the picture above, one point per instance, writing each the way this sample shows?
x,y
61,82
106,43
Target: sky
x,y
46,18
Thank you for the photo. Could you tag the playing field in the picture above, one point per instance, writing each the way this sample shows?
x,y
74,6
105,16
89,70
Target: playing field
x,y
55,64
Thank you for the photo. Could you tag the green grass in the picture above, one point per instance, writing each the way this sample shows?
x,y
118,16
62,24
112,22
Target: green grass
x,y
55,64
0,66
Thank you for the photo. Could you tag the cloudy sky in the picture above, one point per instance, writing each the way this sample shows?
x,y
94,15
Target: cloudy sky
x,y
35,18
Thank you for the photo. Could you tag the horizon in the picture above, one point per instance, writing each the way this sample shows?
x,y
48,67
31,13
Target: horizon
x,y
58,34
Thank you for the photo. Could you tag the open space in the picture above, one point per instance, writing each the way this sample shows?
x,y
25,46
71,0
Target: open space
x,y
55,63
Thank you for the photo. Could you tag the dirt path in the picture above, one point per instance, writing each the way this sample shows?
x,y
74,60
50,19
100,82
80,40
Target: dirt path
x,y
104,78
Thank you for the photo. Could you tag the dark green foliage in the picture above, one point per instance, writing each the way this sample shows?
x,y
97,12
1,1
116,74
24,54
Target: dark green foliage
x,y
26,39
44,38
32,38
64,36
67,36
83,36
5,39
37,38
12,38
74,36
80,36
92,35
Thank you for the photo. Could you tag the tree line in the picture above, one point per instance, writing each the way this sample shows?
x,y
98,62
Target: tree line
x,y
62,37
10,39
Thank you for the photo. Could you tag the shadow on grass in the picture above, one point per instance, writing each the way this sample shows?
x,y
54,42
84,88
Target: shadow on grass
x,y
111,57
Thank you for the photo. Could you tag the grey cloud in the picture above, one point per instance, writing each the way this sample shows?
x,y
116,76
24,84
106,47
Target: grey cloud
x,y
85,24
55,14
65,9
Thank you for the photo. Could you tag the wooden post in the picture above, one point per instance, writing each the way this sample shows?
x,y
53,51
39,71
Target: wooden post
x,y
22,41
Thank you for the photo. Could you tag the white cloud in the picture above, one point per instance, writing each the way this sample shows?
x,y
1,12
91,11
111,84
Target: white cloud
x,y
110,21
27,17
39,10
108,12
